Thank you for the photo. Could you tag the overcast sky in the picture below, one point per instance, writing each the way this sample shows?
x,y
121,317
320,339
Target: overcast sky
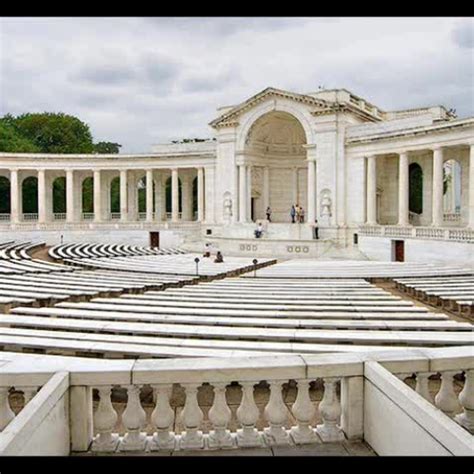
x,y
139,81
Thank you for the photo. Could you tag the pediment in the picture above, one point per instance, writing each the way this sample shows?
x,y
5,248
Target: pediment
x,y
230,118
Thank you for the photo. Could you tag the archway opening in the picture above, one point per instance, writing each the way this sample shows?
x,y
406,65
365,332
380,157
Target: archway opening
x,y
141,195
115,195
87,190
275,141
415,194
29,191
59,195
5,195
195,198
169,195
452,191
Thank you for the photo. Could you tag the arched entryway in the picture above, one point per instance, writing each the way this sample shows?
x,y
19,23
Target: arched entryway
x,y
277,167
415,194
5,201
29,195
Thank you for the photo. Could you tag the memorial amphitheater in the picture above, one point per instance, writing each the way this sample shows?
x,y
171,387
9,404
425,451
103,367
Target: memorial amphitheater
x,y
118,336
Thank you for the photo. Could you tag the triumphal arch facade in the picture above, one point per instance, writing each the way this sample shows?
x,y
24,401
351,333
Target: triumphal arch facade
x,y
368,176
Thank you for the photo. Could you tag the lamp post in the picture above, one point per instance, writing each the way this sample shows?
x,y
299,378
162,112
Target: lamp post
x,y
196,261
254,261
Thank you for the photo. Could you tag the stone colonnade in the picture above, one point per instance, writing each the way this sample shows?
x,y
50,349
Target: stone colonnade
x,y
128,197
403,188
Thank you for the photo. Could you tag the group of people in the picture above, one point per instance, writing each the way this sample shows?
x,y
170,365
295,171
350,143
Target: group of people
x,y
297,214
207,254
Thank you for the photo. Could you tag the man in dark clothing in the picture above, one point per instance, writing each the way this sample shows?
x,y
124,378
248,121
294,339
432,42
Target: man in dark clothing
x,y
316,230
293,214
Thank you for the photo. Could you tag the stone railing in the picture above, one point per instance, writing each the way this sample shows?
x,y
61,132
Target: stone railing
x,y
5,217
452,217
30,216
115,216
88,216
417,232
374,404
59,216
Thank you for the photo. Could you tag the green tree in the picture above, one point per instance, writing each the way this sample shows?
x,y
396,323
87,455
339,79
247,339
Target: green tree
x,y
107,147
11,139
55,132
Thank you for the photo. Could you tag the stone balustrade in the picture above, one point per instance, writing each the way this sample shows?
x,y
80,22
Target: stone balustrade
x,y
348,399
418,232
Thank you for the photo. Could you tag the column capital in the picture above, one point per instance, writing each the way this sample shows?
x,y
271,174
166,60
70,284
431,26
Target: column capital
x,y
437,148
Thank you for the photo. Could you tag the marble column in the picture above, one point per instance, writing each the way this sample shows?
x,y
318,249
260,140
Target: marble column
x,y
249,193
437,206
14,197
311,216
187,198
123,196
242,194
160,196
266,188
470,216
42,196
70,208
174,195
149,195
209,203
200,194
403,189
371,191
97,196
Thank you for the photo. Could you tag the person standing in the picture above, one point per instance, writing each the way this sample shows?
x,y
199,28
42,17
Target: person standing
x,y
293,214
269,214
297,210
301,215
316,230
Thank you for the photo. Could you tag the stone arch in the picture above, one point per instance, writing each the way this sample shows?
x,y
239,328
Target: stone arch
x,y
5,200
275,106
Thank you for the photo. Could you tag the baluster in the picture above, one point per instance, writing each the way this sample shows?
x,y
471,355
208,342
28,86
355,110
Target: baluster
x,y
220,416
105,418
134,420
446,400
330,410
162,418
248,415
276,414
422,385
466,398
191,417
303,410
6,413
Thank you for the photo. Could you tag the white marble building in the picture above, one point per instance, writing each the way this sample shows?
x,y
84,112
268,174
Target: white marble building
x,y
385,176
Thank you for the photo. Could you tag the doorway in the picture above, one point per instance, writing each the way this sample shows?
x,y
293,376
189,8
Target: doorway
x,y
154,239
398,250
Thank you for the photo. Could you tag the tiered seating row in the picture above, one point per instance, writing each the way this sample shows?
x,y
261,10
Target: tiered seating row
x,y
14,259
234,317
46,290
453,293
87,250
360,269
179,264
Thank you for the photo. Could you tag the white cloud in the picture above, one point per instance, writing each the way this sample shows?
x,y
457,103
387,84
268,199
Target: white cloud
x,y
138,81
